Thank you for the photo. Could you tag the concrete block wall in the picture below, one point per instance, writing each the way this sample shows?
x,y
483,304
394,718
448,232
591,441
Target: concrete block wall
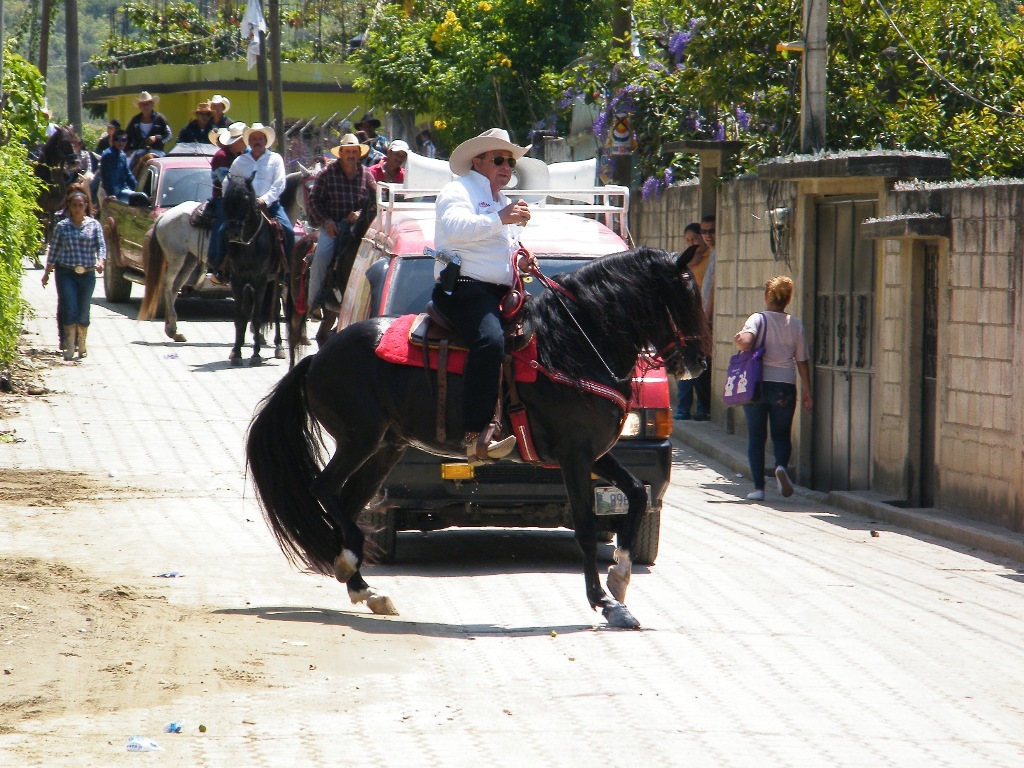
x,y
660,220
979,358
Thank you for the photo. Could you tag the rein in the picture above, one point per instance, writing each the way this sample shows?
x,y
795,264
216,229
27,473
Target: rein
x,y
259,228
559,291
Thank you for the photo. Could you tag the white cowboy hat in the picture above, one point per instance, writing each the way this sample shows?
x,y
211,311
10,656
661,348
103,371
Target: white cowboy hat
x,y
147,96
461,161
225,137
266,130
218,99
350,140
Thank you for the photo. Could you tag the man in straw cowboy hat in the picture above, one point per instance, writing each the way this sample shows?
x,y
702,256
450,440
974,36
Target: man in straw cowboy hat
x,y
198,129
266,169
230,144
148,131
476,222
220,104
342,202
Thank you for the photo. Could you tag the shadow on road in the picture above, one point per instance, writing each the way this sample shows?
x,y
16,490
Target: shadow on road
x,y
379,625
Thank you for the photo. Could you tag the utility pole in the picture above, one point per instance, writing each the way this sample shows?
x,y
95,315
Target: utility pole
x,y
813,90
73,64
44,37
262,81
622,31
274,22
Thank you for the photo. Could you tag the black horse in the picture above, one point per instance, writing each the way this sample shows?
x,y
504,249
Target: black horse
x,y
52,168
624,305
253,256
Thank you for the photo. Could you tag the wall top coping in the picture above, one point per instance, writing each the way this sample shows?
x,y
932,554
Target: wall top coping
x,y
885,164
907,226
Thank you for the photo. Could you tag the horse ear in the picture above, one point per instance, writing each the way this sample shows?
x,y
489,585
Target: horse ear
x,y
251,178
680,262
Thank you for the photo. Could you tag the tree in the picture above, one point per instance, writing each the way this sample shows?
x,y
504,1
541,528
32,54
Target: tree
x,y
474,63
710,70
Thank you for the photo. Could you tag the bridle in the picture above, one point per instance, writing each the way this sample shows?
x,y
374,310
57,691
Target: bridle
x,y
241,240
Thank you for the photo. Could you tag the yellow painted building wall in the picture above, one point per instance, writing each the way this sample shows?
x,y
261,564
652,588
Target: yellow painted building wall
x,y
308,90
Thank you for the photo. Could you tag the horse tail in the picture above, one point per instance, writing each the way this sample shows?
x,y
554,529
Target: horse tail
x,y
156,271
282,449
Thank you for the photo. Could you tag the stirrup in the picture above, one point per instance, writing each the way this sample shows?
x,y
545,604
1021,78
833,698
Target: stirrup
x,y
481,448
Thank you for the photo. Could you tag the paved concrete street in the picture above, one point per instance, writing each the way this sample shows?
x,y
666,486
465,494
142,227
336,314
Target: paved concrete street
x,y
778,634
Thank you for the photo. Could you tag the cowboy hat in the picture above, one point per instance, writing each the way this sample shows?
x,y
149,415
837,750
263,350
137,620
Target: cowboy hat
x,y
147,96
225,137
218,99
461,160
202,106
369,119
266,130
349,140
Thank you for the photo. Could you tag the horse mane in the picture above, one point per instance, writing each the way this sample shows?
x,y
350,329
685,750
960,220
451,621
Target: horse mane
x,y
52,153
620,301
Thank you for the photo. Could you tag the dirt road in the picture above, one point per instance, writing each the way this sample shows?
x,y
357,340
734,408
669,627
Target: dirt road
x,y
139,586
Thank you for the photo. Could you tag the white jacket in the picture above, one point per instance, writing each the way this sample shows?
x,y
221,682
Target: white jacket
x,y
468,225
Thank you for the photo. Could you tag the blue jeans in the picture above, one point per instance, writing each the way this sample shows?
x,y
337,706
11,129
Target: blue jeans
x,y
75,295
776,406
684,396
215,253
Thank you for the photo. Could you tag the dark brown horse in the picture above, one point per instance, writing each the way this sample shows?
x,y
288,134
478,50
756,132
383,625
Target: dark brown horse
x,y
52,168
622,305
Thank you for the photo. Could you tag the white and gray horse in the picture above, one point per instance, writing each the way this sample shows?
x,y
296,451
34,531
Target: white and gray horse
x,y
175,251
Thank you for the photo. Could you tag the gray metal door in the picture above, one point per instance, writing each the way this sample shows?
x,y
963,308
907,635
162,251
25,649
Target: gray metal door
x,y
843,360
929,359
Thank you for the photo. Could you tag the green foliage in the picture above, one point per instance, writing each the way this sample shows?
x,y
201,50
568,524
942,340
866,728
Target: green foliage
x,y
474,63
709,69
23,88
20,236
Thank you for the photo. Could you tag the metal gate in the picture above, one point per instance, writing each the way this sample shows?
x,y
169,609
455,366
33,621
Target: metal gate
x,y
844,334
929,360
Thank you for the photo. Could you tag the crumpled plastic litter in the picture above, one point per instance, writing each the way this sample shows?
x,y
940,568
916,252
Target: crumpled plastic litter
x,y
142,744
174,727
170,575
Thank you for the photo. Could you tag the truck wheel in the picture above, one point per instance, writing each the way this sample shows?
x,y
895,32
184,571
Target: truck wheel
x,y
116,287
381,536
645,547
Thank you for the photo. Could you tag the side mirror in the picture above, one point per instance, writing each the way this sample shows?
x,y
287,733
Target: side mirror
x,y
138,200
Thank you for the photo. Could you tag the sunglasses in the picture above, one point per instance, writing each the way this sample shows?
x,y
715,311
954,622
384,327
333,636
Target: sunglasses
x,y
123,138
707,231
501,160
205,114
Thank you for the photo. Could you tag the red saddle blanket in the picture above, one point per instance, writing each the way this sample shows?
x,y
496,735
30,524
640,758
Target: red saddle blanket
x,y
396,347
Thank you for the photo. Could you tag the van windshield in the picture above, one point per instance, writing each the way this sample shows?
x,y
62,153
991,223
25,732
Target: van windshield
x,y
412,280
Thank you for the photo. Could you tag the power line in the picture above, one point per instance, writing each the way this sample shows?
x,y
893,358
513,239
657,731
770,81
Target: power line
x,y
960,91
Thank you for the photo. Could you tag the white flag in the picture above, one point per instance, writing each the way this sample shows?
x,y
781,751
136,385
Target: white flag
x,y
252,24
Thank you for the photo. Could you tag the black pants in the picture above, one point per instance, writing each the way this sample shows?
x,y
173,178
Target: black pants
x,y
702,389
473,310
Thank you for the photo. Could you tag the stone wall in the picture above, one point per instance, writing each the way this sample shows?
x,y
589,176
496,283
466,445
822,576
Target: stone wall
x,y
980,410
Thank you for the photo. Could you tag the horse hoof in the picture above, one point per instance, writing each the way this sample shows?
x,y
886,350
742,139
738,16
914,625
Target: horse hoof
x,y
279,353
236,362
619,617
255,361
381,605
618,582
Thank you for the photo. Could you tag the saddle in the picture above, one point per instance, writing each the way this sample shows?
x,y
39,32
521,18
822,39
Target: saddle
x,y
202,217
428,340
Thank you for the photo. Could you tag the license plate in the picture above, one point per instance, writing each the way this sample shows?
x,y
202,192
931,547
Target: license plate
x,y
609,500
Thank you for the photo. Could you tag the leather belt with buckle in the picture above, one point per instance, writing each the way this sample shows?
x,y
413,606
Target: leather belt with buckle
x,y
80,270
